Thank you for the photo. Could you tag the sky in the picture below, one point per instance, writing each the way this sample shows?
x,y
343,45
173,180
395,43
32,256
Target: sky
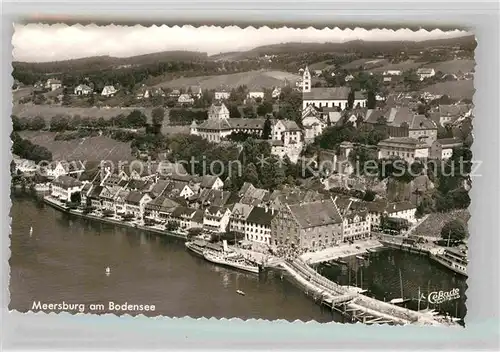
x,y
42,42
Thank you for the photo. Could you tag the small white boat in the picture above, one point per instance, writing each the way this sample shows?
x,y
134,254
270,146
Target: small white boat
x,y
240,292
31,231
108,270
399,300
360,257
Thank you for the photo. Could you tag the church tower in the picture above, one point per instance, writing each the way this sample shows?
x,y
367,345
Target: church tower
x,y
306,80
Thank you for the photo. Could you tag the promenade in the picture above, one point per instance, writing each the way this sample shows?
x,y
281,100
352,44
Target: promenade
x,y
342,251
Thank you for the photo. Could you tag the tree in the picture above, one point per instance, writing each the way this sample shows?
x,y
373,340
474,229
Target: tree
x,y
249,112
454,230
371,101
350,99
18,124
158,114
251,175
36,124
172,226
265,108
59,123
369,195
267,130
411,79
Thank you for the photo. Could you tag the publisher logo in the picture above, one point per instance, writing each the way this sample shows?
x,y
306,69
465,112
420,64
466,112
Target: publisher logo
x,y
438,297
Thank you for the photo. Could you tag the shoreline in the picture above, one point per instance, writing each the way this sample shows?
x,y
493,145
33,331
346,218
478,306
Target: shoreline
x,y
56,205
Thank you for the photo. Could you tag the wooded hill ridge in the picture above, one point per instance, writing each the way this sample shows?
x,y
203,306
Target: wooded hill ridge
x,y
355,46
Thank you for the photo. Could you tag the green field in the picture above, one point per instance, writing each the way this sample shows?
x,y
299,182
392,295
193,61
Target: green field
x,y
453,66
463,89
90,148
252,79
403,66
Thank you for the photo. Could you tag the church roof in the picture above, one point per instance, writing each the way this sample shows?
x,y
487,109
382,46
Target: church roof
x,y
328,93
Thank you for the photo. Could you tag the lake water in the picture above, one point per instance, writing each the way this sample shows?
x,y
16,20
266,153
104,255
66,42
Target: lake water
x,y
66,256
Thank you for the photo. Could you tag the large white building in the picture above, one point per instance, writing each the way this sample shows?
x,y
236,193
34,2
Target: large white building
x,y
327,97
63,187
405,148
286,140
219,126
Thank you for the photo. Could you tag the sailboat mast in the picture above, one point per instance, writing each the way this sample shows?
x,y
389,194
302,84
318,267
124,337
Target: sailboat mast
x,y
418,308
428,288
401,284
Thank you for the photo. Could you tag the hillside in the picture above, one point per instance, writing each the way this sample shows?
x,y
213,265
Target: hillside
x,y
90,148
350,46
252,79
106,62
48,111
453,66
463,89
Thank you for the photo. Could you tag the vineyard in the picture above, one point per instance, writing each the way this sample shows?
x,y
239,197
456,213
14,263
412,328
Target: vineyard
x,y
90,148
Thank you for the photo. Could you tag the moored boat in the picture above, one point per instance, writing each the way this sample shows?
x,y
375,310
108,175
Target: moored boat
x,y
453,260
198,246
231,260
42,187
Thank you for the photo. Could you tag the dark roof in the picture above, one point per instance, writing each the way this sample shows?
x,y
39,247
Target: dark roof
x,y
211,124
198,216
247,123
329,93
261,216
400,140
319,213
450,141
134,197
138,185
181,212
159,187
214,197
290,125
162,204
421,122
184,177
86,188
241,210
95,192
208,181
455,110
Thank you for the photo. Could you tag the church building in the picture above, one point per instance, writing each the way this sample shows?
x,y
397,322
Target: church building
x,y
327,97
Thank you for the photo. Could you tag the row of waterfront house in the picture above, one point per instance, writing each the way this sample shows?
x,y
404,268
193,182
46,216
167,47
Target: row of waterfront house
x,y
305,218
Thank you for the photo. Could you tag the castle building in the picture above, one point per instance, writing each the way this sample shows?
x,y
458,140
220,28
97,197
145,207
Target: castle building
x,y
219,126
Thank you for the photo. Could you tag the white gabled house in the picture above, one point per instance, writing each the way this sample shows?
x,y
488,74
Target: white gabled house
x,y
185,99
108,91
60,168
63,187
135,203
222,95
83,89
187,218
216,219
